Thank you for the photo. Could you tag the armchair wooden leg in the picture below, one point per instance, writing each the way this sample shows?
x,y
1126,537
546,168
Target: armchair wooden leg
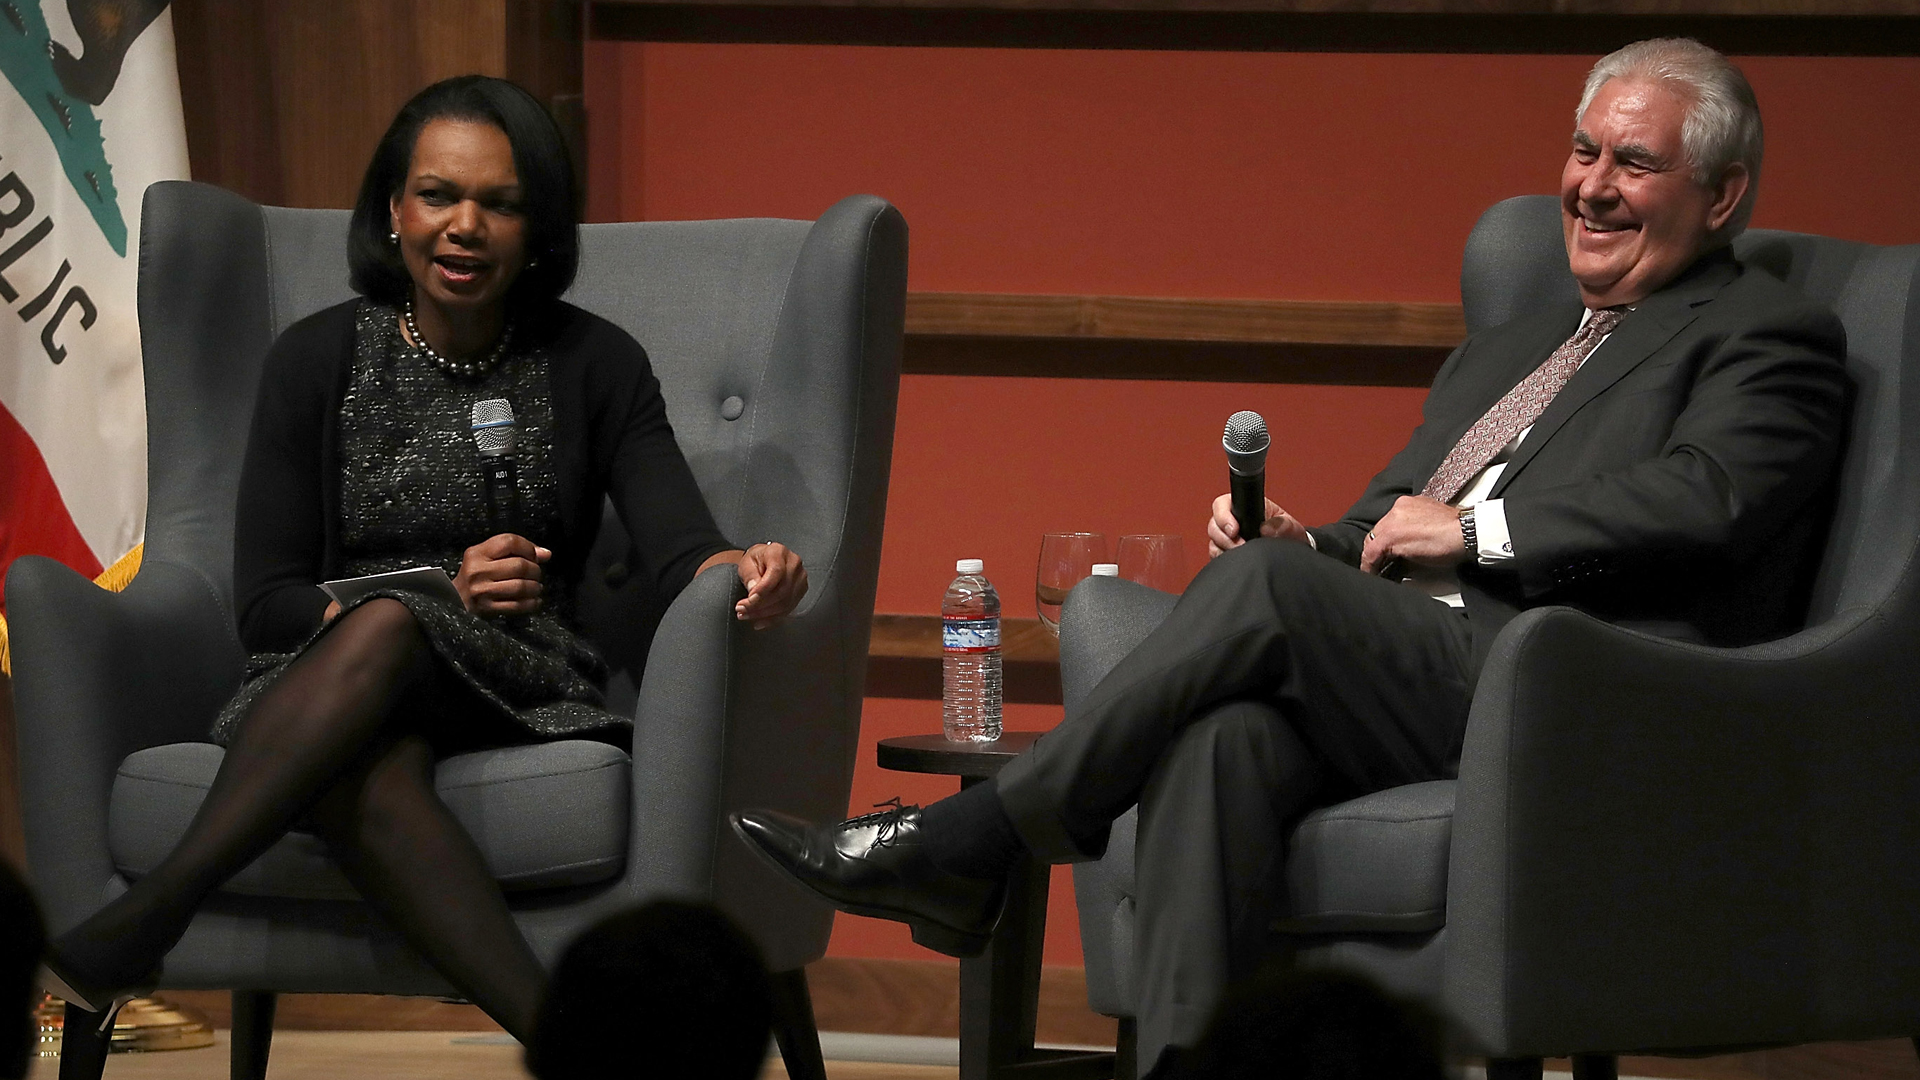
x,y
1126,1051
1596,1067
1514,1068
793,1026
252,1033
83,1044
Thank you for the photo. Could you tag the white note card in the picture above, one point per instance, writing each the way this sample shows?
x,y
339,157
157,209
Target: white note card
x,y
430,580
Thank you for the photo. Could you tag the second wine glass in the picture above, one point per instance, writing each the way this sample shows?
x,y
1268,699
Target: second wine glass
x,y
1065,558
1158,561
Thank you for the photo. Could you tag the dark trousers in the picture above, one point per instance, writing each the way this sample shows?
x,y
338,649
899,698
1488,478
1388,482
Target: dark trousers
x,y
1283,680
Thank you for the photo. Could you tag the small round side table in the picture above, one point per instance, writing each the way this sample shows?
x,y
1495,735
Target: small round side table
x,y
1000,988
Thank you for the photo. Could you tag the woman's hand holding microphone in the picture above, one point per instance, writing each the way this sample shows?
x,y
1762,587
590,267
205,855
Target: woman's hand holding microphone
x,y
501,576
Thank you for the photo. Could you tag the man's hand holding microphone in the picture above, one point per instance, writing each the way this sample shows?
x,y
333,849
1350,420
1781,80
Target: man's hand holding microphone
x,y
1416,530
1245,511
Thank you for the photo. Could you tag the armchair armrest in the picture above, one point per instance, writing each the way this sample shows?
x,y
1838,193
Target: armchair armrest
x,y
1102,621
98,675
1730,826
730,718
679,737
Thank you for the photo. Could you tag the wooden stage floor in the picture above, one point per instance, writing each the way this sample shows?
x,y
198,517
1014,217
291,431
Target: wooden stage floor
x,y
469,1055
405,1055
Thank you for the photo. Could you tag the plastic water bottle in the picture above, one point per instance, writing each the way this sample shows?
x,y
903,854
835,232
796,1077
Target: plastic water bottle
x,y
970,641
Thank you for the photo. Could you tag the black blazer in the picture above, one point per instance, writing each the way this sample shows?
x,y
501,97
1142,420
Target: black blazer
x,y
1680,482
611,437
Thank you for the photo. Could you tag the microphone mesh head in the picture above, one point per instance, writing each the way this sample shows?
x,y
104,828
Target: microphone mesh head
x,y
493,426
1246,432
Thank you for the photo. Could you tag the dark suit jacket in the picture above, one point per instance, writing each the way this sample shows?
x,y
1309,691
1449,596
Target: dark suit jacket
x,y
1680,482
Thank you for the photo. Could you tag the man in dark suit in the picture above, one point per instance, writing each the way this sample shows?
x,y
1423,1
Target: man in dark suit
x,y
1659,456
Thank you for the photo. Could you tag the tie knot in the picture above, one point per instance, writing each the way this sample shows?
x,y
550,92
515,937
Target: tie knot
x,y
1604,320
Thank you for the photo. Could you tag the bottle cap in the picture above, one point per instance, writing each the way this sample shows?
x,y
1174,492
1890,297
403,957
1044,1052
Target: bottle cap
x,y
1106,569
970,566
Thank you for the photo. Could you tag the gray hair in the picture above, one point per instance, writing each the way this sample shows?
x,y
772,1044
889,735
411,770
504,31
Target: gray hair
x,y
1723,118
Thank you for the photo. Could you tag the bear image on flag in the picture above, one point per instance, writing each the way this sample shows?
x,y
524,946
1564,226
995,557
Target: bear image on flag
x,y
89,116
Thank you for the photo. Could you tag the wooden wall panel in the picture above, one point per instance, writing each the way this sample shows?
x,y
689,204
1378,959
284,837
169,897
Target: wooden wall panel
x,y
342,68
286,99
226,86
545,53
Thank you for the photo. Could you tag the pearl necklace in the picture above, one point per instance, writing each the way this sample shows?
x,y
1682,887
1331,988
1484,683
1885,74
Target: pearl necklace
x,y
464,369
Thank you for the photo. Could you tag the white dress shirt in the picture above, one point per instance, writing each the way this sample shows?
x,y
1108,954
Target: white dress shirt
x,y
1489,516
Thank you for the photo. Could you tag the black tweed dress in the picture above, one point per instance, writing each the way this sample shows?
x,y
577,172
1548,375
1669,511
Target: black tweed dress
x,y
411,495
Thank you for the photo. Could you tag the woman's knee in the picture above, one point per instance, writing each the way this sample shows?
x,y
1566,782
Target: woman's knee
x,y
381,619
379,635
378,795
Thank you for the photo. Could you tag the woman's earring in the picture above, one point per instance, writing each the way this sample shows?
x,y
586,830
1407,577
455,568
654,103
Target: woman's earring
x,y
393,238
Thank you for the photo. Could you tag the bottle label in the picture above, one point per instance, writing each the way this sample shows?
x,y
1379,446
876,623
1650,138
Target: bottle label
x,y
970,635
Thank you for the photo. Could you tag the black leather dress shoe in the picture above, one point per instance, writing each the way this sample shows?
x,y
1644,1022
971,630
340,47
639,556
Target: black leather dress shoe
x,y
876,865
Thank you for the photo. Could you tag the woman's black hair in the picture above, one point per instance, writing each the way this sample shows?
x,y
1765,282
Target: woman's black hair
x,y
546,183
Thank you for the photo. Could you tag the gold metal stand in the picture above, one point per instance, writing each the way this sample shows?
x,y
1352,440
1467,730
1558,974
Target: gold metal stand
x,y
144,1025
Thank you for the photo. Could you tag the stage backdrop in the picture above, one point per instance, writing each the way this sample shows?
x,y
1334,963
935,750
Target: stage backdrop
x,y
89,117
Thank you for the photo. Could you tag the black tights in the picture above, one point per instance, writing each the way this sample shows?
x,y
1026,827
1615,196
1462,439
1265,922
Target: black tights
x,y
336,742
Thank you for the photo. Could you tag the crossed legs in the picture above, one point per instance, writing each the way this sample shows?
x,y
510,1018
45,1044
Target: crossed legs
x,y
332,741
1371,675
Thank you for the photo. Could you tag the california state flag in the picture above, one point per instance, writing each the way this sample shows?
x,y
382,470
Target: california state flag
x,y
89,116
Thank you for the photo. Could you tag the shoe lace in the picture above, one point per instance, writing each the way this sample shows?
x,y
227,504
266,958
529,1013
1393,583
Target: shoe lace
x,y
887,818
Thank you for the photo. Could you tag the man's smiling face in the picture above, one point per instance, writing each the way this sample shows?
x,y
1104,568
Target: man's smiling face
x,y
1632,214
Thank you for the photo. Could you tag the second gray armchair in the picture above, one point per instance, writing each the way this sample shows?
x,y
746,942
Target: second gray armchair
x,y
1652,846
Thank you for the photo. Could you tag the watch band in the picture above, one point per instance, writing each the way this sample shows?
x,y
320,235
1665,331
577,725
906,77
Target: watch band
x,y
1469,534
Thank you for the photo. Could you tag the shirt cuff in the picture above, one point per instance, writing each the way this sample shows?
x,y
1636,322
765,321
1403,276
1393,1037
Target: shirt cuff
x,y
1311,542
1490,525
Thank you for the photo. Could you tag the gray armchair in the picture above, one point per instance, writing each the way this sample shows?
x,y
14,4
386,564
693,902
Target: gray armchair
x,y
778,346
1651,846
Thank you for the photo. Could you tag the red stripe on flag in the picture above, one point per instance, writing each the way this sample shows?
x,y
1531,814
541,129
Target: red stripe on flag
x,y
33,516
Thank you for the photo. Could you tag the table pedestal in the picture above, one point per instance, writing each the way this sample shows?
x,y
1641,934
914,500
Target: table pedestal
x,y
1000,988
1000,996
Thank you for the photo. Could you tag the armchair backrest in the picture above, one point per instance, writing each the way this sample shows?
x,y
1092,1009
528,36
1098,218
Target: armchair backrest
x,y
1516,262
749,325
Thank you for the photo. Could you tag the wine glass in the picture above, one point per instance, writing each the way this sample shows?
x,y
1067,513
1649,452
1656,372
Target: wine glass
x,y
1158,561
1065,558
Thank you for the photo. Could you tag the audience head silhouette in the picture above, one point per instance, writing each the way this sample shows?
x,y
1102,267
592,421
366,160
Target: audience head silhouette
x,y
670,989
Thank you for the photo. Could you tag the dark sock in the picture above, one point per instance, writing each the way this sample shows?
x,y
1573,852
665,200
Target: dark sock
x,y
970,834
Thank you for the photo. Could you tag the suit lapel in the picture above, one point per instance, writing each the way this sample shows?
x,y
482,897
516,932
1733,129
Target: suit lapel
x,y
1647,328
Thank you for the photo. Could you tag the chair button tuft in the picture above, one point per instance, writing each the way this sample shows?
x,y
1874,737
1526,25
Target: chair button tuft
x,y
732,408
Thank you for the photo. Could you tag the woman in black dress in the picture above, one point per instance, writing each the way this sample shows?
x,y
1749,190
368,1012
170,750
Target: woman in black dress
x,y
361,460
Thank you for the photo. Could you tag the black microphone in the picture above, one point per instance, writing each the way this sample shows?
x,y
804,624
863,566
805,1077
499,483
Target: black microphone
x,y
1246,443
493,436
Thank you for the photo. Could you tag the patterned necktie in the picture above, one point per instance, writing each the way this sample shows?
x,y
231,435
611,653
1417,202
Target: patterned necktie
x,y
1517,411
